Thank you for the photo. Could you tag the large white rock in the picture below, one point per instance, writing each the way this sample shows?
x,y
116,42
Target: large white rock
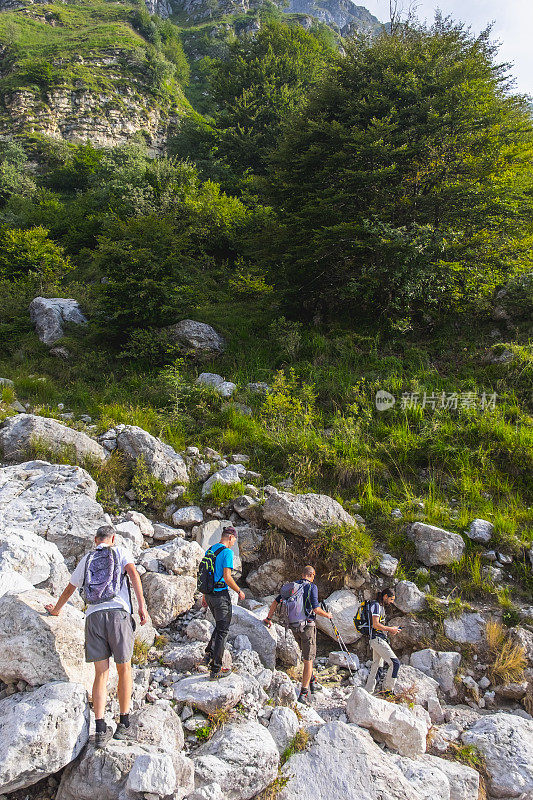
x,y
32,557
440,665
209,533
200,629
104,773
242,758
415,686
268,578
187,657
263,639
145,525
228,477
425,778
49,314
393,724
436,546
344,605
187,517
480,530
250,542
160,458
463,780
283,726
198,337
466,629
287,649
158,726
304,514
209,696
19,432
132,533
184,558
154,773
55,502
217,383
506,744
167,596
409,598
36,647
12,582
343,763
41,732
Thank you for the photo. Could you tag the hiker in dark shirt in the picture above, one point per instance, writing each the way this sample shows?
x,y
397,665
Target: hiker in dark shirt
x,y
379,644
305,630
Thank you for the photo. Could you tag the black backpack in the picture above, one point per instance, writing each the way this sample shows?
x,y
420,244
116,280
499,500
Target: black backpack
x,y
205,581
362,620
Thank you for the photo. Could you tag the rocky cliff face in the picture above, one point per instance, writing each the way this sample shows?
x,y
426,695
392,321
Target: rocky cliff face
x,y
341,14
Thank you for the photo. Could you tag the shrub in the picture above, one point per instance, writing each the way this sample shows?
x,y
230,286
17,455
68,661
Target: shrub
x,y
140,652
344,548
31,253
149,490
508,659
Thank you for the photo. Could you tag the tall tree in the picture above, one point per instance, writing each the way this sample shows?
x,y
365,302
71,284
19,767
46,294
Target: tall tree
x,y
406,180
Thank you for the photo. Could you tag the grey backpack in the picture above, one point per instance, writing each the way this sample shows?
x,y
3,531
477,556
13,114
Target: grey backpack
x,y
292,608
102,578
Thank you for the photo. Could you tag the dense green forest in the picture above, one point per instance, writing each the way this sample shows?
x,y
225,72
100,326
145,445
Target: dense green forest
x,y
352,217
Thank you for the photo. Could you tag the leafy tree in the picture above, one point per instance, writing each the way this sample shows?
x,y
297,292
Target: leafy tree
x,y
31,253
405,182
14,179
264,79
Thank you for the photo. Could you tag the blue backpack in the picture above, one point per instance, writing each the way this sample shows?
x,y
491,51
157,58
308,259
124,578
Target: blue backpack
x,y
292,610
102,579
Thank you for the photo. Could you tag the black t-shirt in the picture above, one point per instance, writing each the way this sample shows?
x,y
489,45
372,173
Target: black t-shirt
x,y
310,592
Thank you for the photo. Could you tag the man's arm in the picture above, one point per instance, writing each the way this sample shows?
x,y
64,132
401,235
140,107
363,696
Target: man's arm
x,y
138,589
231,583
378,626
322,613
65,596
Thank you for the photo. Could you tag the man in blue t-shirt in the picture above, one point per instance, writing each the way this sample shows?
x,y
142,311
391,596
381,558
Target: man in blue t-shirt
x,y
219,601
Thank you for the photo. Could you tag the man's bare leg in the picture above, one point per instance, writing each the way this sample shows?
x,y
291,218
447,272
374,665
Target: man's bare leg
x,y
101,676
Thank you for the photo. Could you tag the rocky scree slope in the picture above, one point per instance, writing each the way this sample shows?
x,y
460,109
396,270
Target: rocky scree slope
x,y
195,739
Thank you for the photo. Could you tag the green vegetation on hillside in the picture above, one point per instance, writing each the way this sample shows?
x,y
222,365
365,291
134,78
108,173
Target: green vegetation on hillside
x,y
377,239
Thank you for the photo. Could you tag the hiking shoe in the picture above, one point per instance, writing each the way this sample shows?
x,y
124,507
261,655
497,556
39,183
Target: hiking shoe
x,y
314,685
386,694
101,738
122,731
304,698
207,660
216,674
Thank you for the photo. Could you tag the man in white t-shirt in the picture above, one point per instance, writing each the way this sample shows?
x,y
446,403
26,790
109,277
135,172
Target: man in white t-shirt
x,y
109,632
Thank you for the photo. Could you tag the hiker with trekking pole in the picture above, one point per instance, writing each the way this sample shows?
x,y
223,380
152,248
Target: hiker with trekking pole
x,y
370,620
300,606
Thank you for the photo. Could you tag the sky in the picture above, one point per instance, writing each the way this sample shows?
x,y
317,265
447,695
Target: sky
x,y
513,24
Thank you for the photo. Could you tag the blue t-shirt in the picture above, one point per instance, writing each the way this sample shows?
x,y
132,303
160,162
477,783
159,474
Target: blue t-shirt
x,y
223,559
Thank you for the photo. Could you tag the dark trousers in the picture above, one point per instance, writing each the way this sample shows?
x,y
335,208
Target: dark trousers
x,y
219,604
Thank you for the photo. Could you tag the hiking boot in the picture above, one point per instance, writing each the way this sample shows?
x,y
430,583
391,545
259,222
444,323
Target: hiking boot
x,y
304,698
101,738
314,685
207,660
386,694
122,731
216,674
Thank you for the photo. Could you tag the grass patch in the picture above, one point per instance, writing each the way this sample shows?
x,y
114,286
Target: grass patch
x,y
140,652
221,493
343,548
150,492
508,660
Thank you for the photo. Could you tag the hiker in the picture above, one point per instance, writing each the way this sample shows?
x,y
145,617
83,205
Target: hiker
x,y
214,578
381,649
103,579
303,596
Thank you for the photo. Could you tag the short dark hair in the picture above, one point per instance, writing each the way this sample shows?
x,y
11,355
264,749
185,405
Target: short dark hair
x,y
228,531
385,593
104,532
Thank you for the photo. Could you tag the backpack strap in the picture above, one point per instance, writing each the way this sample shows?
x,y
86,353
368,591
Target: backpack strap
x,y
222,583
86,567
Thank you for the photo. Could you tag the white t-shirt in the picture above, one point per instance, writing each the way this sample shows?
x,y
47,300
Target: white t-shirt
x,y
122,600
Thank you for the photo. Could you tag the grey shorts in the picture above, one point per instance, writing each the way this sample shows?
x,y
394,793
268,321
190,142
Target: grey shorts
x,y
109,633
306,638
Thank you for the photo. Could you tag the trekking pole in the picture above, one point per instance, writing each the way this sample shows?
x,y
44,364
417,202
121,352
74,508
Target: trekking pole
x,y
341,642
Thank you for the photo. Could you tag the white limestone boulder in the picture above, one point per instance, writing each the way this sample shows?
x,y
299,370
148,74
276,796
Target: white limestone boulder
x,y
184,558
242,758
344,605
506,744
263,639
200,630
463,780
415,686
468,628
41,732
480,530
228,476
158,726
161,459
167,596
304,514
187,517
343,763
409,598
440,665
49,314
209,696
36,647
396,725
54,501
425,777
283,726
18,433
436,546
197,337
32,557
12,582
267,578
